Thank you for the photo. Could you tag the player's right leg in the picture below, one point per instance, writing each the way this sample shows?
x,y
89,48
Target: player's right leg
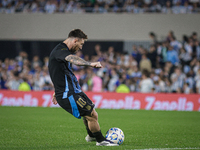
x,y
90,137
85,109
94,127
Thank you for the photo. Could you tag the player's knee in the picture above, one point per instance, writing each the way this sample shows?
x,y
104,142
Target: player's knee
x,y
94,115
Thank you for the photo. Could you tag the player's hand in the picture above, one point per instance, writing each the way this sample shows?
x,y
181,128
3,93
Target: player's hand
x,y
54,99
96,65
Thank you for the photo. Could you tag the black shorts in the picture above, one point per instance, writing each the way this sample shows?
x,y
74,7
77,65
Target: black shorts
x,y
77,104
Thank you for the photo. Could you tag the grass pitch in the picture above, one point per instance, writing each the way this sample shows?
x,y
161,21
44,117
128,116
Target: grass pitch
x,y
28,128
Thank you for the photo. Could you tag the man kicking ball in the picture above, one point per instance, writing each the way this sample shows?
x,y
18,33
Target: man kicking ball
x,y
68,93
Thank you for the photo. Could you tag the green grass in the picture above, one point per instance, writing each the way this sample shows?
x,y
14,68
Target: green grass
x,y
24,128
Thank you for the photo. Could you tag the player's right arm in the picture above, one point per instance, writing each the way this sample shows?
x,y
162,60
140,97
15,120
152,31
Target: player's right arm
x,y
54,99
81,62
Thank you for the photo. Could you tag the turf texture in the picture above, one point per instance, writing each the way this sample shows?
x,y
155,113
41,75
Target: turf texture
x,y
38,128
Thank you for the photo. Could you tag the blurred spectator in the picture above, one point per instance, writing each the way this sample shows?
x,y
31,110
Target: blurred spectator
x,y
3,78
169,36
134,51
10,9
13,81
146,83
152,55
185,57
62,5
5,2
46,61
187,89
82,78
161,83
132,61
96,83
188,7
77,8
198,86
189,47
196,67
172,56
167,85
197,49
122,79
141,51
97,9
36,62
175,44
69,6
155,7
19,6
124,60
194,36
128,6
197,76
122,88
37,85
112,82
190,80
111,53
178,8
50,6
122,84
24,86
167,8
97,50
153,38
162,53
145,63
177,78
46,82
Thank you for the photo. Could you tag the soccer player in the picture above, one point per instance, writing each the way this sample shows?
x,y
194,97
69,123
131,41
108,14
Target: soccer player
x,y
68,92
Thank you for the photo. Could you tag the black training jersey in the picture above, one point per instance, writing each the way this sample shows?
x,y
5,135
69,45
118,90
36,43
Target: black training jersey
x,y
65,82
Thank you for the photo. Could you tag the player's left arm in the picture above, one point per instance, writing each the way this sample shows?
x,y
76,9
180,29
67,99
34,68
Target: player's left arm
x,y
81,62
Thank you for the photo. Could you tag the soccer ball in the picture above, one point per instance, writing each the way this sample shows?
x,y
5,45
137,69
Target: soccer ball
x,y
115,135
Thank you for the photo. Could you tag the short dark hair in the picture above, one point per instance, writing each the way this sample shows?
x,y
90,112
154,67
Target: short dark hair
x,y
194,33
152,34
146,73
77,33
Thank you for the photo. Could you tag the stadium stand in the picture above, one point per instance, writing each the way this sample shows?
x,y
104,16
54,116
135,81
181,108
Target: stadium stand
x,y
171,66
100,6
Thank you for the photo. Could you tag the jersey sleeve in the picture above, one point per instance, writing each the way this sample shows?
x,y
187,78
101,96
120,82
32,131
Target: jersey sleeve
x,y
61,54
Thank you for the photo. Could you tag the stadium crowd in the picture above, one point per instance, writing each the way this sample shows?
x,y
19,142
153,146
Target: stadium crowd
x,y
169,66
100,6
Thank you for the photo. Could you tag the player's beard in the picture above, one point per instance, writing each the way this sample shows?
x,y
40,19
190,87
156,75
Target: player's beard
x,y
75,49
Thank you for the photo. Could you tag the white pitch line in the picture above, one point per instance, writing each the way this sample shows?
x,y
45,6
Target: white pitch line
x,y
166,148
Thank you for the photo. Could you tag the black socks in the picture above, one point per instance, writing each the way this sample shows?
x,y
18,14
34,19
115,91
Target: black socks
x,y
99,137
89,132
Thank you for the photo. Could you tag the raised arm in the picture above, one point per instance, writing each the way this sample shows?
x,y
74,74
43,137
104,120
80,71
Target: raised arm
x,y
81,62
77,60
